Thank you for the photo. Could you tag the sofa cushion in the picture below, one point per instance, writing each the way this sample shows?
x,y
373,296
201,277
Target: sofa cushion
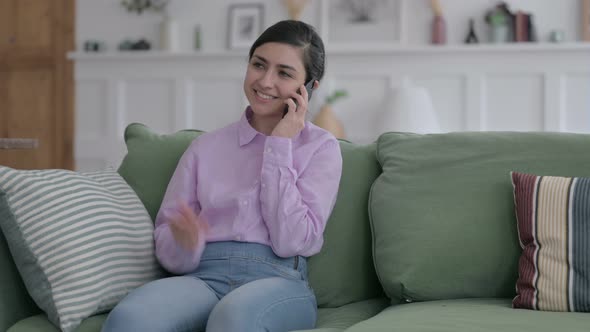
x,y
81,241
346,316
15,302
442,211
151,160
468,315
343,271
329,319
39,323
553,216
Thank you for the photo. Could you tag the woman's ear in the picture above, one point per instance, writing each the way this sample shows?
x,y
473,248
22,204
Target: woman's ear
x,y
316,84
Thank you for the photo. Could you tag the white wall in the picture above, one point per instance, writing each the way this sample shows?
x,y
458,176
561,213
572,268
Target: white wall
x,y
108,21
520,87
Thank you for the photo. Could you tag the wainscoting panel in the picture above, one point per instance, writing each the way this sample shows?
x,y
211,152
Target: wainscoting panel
x,y
215,102
449,98
576,102
148,101
360,112
92,100
537,87
514,102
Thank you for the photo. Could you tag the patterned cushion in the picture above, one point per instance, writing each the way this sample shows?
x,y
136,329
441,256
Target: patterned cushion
x,y
553,216
81,241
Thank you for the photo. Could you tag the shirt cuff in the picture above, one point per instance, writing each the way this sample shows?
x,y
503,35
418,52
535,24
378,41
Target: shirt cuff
x,y
172,256
277,150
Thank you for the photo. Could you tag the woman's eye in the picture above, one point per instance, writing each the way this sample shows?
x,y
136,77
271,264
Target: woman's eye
x,y
284,74
257,65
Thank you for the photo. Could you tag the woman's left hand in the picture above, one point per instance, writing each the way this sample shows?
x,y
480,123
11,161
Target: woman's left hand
x,y
294,120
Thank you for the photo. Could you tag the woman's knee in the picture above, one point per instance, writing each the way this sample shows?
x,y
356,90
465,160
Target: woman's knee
x,y
126,317
288,315
248,310
172,304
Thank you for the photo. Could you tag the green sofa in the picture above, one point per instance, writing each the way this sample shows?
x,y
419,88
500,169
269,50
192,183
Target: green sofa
x,y
422,238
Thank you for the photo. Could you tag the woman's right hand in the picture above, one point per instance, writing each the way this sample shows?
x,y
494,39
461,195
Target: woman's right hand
x,y
187,227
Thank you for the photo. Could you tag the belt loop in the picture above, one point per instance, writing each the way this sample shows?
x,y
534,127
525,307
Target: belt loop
x,y
296,265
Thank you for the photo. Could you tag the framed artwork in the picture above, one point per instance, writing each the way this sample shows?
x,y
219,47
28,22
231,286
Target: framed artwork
x,y
586,20
357,22
245,24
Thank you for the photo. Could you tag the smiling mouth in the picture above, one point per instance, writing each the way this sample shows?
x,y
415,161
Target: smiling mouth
x,y
264,96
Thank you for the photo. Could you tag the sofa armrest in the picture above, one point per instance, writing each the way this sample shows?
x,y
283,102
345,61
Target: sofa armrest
x,y
15,302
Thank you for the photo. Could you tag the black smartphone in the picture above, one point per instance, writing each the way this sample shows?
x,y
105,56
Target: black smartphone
x,y
309,88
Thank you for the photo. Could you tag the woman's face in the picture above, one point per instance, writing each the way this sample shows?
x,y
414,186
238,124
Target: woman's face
x,y
274,72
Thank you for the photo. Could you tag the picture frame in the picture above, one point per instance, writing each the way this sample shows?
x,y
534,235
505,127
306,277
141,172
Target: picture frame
x,y
245,24
358,23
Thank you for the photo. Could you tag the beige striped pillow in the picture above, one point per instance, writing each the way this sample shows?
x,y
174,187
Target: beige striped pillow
x,y
81,241
553,216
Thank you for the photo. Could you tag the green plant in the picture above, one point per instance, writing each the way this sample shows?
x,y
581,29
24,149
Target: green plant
x,y
139,6
335,96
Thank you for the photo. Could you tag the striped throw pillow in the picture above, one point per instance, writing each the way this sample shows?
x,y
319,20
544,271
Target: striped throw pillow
x,y
553,216
81,241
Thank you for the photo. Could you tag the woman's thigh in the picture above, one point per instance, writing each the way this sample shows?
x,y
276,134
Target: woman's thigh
x,y
170,304
270,304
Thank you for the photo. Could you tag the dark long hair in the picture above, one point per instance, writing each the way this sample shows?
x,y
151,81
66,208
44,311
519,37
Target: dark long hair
x,y
299,34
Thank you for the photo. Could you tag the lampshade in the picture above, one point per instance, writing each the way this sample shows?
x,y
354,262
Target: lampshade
x,y
409,109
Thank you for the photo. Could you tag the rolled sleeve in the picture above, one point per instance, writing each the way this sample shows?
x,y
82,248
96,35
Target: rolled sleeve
x,y
181,189
296,206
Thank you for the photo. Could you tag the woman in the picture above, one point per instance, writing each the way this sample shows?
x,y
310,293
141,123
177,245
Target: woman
x,y
245,206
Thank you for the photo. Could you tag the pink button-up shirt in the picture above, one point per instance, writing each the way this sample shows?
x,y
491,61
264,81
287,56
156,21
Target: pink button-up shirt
x,y
250,187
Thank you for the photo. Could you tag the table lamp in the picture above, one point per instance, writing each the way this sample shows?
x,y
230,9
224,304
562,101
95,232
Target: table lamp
x,y
409,109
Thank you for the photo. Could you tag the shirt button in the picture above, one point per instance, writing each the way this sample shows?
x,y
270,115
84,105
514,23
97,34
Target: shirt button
x,y
244,202
238,238
268,150
263,185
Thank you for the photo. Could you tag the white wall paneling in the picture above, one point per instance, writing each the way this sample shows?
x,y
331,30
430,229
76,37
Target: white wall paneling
x,y
575,94
217,102
520,88
514,102
360,114
449,95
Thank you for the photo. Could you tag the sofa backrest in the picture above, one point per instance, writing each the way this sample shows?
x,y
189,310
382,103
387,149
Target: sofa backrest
x,y
342,272
151,160
442,211
15,302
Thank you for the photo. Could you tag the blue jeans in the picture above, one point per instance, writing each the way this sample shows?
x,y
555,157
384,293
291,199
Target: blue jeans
x,y
237,287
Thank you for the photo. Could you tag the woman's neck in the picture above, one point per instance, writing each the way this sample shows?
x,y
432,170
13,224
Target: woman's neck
x,y
264,124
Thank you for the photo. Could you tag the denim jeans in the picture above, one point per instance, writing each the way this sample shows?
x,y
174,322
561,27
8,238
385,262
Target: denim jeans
x,y
242,287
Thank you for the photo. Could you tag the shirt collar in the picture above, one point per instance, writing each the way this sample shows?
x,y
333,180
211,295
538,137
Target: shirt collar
x,y
245,131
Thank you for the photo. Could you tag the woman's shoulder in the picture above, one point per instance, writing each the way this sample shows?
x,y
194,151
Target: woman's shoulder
x,y
312,134
217,135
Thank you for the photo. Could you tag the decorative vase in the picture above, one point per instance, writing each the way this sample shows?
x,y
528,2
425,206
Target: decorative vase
x,y
327,119
439,30
295,8
500,33
439,26
169,35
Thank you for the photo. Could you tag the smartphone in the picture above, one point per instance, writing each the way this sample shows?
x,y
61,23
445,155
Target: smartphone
x,y
309,88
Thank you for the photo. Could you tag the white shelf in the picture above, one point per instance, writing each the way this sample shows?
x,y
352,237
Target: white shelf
x,y
153,55
336,50
462,48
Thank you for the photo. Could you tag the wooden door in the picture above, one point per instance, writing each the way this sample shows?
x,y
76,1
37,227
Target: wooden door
x,y
36,81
